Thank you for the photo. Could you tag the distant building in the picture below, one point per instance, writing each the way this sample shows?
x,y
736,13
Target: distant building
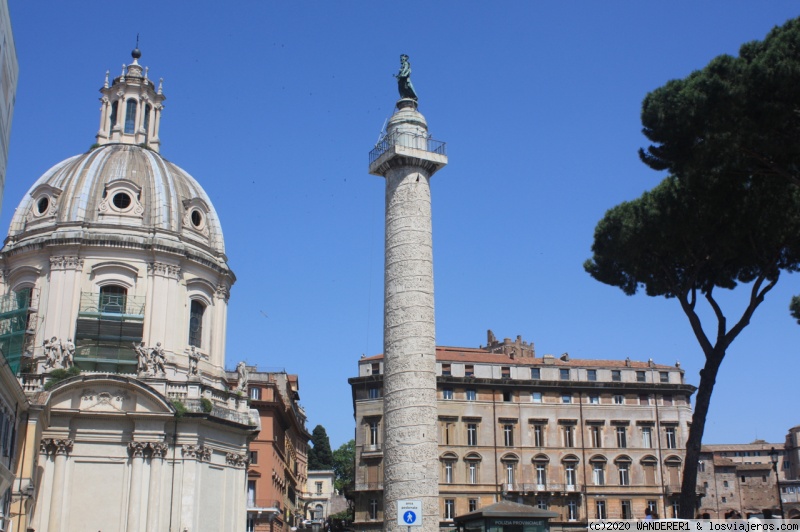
x,y
320,494
584,438
278,468
790,466
737,479
9,73
14,409
14,405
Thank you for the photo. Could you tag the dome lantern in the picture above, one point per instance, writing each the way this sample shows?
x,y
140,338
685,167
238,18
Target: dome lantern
x,y
131,108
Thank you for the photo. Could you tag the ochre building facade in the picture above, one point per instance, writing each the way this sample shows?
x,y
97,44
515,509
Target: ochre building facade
x,y
584,438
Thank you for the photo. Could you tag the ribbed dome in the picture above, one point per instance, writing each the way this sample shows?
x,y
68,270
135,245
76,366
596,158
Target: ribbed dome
x,y
118,189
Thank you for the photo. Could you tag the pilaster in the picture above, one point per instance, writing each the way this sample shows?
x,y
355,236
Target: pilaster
x,y
59,448
65,272
159,451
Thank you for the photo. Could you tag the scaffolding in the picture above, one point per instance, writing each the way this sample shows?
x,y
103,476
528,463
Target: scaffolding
x,y
108,326
17,323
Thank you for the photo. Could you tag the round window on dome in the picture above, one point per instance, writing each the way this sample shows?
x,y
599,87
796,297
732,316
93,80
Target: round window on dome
x,y
197,219
42,205
121,200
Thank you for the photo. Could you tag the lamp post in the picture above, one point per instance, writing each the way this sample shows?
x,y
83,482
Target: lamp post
x,y
773,455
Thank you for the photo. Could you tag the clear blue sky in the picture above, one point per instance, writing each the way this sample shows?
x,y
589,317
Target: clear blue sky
x,y
274,106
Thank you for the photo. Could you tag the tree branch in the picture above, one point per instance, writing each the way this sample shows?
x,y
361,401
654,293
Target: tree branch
x,y
694,321
756,298
767,163
721,320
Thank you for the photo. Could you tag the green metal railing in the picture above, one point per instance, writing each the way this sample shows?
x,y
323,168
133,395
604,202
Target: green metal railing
x,y
107,353
111,306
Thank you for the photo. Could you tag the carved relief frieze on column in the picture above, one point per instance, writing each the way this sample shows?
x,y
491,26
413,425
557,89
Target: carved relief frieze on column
x,y
236,460
66,262
163,269
199,452
136,449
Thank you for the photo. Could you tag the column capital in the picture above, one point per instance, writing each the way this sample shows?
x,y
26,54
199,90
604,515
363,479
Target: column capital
x,y
236,459
159,449
201,453
55,446
163,269
136,449
222,292
66,262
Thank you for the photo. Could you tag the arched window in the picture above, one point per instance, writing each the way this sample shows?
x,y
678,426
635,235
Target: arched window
x,y
540,464
570,463
673,464
113,122
509,462
196,313
113,298
130,116
624,470
473,461
448,465
598,464
649,464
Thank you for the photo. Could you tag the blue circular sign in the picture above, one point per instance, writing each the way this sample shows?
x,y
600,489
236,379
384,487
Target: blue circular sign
x,y
409,517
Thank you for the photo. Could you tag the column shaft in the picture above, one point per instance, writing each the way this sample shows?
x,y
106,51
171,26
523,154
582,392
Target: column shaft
x,y
410,467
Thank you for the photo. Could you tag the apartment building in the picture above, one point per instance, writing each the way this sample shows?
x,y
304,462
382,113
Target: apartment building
x,y
584,438
278,459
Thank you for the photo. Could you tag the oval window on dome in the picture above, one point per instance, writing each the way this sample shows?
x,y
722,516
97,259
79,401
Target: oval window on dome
x,y
42,205
197,219
121,200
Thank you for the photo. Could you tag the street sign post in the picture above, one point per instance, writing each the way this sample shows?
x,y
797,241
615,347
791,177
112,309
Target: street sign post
x,y
409,513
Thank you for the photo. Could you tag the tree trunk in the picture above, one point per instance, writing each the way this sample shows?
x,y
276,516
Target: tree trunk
x,y
708,377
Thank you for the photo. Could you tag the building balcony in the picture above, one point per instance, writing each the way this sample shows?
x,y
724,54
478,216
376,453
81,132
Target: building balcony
x,y
273,504
551,488
406,140
372,450
264,508
368,486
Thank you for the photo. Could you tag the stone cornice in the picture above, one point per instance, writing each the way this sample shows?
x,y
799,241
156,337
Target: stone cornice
x,y
80,236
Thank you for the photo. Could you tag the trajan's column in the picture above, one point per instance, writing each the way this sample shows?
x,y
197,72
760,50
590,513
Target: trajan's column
x,y
407,158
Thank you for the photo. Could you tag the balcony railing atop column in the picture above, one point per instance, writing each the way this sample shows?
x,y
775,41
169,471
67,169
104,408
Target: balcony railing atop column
x,y
407,140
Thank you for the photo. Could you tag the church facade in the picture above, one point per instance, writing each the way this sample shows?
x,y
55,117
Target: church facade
x,y
117,289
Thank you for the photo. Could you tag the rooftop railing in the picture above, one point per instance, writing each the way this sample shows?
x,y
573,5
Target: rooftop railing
x,y
408,140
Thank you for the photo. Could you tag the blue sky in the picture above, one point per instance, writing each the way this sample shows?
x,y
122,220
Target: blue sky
x,y
274,106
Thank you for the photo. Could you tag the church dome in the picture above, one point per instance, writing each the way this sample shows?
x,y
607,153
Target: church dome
x,y
118,252
120,192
